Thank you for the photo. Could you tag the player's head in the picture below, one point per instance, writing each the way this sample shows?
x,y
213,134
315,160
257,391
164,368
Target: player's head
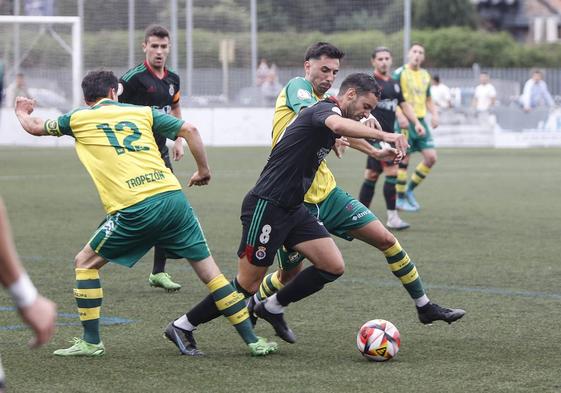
x,y
416,55
382,60
322,65
99,84
358,95
156,46
484,78
436,80
537,74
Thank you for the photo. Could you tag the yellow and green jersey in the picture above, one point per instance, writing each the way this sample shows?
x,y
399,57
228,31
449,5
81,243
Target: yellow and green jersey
x,y
296,95
115,144
415,85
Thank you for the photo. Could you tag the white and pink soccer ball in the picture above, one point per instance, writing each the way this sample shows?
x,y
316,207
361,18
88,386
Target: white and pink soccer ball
x,y
378,340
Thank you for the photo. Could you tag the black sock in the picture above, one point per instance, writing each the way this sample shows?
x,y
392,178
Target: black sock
x,y
389,192
367,192
159,260
306,283
206,310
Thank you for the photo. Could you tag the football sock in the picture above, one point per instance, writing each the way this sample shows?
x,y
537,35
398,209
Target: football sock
x,y
421,301
183,323
403,268
89,294
159,260
224,299
389,192
270,285
420,173
366,193
306,283
273,306
401,183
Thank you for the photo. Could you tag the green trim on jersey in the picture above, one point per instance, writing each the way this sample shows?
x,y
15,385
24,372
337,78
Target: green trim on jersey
x,y
133,71
299,94
165,124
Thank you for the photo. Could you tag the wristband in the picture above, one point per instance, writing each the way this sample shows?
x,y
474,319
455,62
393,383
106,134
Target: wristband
x,y
23,291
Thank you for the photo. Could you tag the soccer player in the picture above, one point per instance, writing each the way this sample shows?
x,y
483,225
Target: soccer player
x,y
35,310
273,212
152,83
385,113
340,213
143,200
415,86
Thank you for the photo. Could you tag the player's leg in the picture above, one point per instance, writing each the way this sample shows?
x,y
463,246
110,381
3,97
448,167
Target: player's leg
x,y
426,146
89,295
256,252
401,181
394,221
405,270
371,174
312,240
159,277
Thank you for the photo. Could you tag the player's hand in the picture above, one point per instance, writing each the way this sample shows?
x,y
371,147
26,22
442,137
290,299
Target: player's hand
x,y
41,317
420,129
388,153
24,104
178,150
340,146
434,121
372,122
199,178
398,140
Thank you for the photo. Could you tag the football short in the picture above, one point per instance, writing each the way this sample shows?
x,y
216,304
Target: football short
x,y
419,143
374,164
166,220
339,213
267,227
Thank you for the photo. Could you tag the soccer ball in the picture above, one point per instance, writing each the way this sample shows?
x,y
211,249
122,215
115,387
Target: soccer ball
x,y
378,340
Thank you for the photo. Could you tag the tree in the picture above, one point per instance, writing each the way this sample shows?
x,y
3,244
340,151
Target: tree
x,y
443,13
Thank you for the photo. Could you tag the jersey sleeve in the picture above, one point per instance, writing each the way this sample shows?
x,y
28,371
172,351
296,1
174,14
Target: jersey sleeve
x,y
428,84
177,96
396,75
322,111
60,126
299,94
166,125
125,91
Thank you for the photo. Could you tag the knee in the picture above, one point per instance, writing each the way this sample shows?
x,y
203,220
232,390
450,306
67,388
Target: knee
x,y
336,269
430,160
79,261
386,241
371,175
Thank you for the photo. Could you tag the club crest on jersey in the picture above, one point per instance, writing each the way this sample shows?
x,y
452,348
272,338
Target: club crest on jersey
x,y
303,94
261,253
171,90
396,87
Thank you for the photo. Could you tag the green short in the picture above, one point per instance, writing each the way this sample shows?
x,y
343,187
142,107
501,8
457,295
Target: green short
x,y
339,213
419,143
165,219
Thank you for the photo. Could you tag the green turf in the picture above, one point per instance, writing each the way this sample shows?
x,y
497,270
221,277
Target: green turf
x,y
487,239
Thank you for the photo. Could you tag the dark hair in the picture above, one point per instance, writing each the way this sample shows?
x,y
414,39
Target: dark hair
x,y
380,49
96,84
155,31
319,49
436,78
416,44
362,83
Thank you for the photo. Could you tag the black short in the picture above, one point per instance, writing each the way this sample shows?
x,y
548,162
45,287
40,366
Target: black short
x,y
374,165
267,227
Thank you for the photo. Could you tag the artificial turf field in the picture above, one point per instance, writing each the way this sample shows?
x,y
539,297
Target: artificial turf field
x,y
488,240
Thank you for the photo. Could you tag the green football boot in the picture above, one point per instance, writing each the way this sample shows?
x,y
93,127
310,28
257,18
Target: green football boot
x,y
163,280
262,347
81,348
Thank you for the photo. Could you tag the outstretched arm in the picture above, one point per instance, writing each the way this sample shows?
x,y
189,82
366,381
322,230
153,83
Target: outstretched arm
x,y
36,311
354,129
31,124
190,133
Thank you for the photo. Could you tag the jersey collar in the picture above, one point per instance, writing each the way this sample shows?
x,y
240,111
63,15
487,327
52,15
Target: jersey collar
x,y
152,71
382,77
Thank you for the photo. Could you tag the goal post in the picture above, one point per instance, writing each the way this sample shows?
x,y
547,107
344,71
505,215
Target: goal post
x,y
74,49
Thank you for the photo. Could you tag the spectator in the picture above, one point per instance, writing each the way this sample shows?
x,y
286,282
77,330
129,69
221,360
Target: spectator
x,y
440,93
263,72
535,93
18,88
485,95
271,86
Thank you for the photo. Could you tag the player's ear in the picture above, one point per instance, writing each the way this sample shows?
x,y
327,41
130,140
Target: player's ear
x,y
144,47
